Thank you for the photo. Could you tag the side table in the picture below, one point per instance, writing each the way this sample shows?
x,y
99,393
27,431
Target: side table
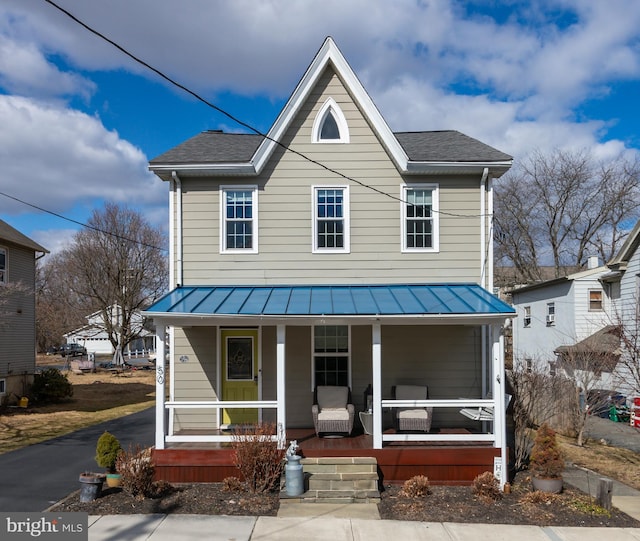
x,y
366,419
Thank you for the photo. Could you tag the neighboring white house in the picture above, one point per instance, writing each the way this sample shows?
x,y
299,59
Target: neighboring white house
x,y
94,337
624,280
560,312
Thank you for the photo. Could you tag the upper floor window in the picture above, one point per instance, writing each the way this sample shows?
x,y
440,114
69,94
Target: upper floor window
x,y
551,313
331,219
595,300
527,316
331,355
239,219
330,124
420,218
3,266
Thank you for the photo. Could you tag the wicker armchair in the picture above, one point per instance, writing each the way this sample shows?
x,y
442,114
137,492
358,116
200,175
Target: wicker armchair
x,y
332,411
414,419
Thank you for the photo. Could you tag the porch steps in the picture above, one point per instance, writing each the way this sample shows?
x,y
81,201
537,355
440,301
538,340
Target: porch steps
x,y
338,480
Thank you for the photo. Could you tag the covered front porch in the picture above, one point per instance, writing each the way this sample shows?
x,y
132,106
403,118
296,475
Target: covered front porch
x,y
446,338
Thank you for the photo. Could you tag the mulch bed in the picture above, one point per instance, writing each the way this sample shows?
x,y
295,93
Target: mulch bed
x,y
443,504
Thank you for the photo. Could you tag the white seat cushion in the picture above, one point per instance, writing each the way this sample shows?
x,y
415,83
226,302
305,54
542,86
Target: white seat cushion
x,y
413,414
332,414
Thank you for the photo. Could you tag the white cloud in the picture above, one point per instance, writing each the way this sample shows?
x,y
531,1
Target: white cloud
x,y
55,157
24,70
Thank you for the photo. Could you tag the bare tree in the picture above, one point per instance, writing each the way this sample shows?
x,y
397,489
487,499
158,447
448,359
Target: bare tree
x,y
58,310
118,266
559,208
535,398
588,365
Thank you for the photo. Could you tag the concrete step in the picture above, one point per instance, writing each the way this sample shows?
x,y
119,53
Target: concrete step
x,y
338,480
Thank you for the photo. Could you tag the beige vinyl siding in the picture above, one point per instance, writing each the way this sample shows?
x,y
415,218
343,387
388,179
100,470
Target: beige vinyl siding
x,y
17,331
285,215
196,376
437,357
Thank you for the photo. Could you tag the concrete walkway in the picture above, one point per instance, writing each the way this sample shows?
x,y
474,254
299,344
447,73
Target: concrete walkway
x,y
322,528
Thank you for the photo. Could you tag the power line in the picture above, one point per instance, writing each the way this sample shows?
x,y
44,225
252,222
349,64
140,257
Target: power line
x,y
88,226
236,119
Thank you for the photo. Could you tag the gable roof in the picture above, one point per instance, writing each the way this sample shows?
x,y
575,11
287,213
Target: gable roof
x,y
14,236
620,260
211,153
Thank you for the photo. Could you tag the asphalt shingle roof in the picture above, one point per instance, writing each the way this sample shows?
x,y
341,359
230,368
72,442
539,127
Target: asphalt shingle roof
x,y
211,147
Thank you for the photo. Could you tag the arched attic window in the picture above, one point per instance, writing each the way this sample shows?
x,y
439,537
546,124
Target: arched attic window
x,y
330,125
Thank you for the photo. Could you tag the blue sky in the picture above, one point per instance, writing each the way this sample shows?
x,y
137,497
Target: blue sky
x,y
80,120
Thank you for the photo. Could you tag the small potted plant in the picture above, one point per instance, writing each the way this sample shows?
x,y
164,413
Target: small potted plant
x,y
546,463
107,451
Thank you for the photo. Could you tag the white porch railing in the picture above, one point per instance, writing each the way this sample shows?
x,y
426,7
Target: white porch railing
x,y
388,405
171,406
435,404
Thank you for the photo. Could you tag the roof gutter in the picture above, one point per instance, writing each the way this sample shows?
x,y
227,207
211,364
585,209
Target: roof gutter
x,y
178,228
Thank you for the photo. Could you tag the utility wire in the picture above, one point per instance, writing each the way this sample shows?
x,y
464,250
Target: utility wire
x,y
120,237
236,119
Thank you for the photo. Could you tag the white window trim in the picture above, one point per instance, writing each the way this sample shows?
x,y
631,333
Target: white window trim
x,y
594,290
347,222
435,207
330,106
223,219
5,274
313,355
551,316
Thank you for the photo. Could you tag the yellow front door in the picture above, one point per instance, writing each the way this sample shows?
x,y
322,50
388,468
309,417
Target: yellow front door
x,y
239,373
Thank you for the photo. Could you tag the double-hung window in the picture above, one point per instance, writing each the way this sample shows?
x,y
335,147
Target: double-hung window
x,y
239,212
420,218
595,300
331,355
331,219
527,316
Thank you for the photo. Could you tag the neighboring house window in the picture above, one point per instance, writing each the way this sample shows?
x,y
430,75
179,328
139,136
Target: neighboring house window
x,y
595,300
552,368
420,218
239,219
3,387
527,316
331,219
3,265
551,313
331,355
330,124
528,365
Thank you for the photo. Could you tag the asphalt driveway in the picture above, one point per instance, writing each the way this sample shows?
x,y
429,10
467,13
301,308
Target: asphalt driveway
x,y
37,476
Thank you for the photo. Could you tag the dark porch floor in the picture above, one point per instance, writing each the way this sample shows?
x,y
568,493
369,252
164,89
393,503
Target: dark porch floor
x,y
456,463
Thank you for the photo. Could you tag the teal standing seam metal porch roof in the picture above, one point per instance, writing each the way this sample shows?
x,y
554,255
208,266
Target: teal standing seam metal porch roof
x,y
331,300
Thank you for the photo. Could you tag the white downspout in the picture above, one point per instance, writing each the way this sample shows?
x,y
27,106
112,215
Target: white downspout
x,y
491,229
178,229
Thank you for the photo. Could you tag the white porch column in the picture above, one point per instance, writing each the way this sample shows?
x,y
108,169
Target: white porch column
x,y
281,379
499,387
161,429
376,358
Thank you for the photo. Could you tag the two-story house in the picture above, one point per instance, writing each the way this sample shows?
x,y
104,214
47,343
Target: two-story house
x,y
18,254
624,282
559,312
331,251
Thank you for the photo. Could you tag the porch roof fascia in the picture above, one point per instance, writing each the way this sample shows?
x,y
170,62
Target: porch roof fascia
x,y
200,320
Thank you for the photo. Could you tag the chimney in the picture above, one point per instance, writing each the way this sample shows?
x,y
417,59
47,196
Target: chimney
x,y
593,262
